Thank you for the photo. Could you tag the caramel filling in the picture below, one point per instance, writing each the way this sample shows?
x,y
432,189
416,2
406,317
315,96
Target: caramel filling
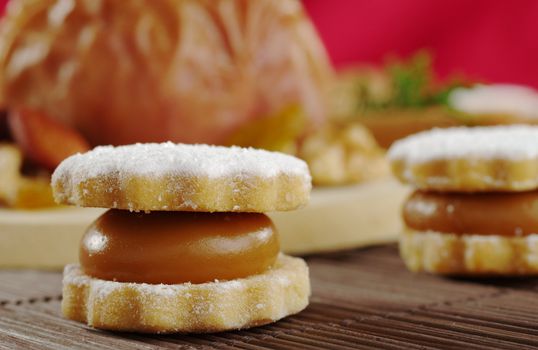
x,y
507,214
178,247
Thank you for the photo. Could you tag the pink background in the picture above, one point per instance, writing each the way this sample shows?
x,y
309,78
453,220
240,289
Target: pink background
x,y
492,40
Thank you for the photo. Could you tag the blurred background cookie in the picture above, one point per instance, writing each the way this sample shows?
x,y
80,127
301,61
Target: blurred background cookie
x,y
473,212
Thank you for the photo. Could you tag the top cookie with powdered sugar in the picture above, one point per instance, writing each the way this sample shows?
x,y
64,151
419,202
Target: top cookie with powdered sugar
x,y
181,177
495,158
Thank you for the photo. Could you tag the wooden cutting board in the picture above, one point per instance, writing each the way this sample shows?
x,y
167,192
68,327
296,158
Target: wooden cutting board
x,y
336,218
362,299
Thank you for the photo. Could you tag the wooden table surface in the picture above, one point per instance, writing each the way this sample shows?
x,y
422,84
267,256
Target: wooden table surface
x,y
361,299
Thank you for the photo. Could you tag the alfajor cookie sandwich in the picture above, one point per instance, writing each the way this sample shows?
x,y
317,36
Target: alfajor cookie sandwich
x,y
185,246
474,208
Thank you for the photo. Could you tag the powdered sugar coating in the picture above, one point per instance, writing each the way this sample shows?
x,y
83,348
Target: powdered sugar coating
x,y
173,177
515,142
155,160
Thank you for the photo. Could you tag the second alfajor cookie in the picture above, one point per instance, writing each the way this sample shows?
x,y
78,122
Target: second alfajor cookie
x,y
473,212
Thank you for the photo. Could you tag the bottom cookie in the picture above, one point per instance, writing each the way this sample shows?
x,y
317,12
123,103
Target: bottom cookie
x,y
451,254
187,308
